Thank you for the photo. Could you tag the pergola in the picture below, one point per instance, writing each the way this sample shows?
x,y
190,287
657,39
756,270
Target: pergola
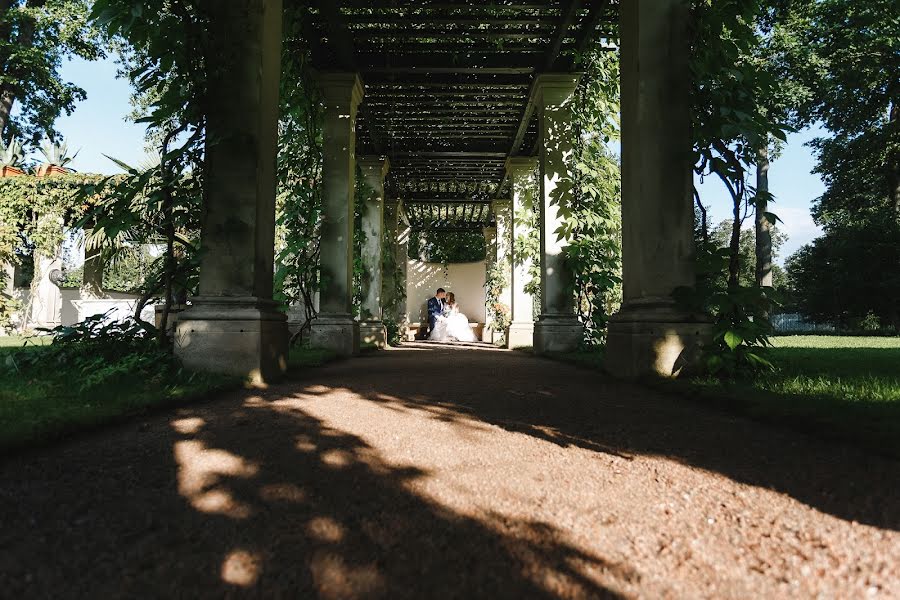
x,y
448,107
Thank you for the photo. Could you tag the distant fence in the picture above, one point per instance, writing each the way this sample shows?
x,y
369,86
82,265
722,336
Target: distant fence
x,y
794,322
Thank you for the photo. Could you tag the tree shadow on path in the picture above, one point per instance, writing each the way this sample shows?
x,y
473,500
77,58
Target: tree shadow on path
x,y
576,407
246,497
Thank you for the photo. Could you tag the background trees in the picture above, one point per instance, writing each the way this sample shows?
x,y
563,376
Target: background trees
x,y
35,37
852,53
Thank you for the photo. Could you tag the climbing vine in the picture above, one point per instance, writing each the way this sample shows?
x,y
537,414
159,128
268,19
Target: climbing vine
x,y
498,313
34,214
593,223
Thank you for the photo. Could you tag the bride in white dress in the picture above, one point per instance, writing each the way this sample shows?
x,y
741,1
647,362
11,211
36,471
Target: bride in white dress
x,y
453,325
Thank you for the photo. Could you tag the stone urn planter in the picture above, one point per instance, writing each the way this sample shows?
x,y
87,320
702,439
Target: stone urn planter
x,y
11,172
47,170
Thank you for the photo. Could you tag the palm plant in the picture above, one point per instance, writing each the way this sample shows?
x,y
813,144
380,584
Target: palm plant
x,y
12,155
57,154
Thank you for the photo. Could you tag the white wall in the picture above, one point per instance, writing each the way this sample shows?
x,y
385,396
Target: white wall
x,y
67,307
466,280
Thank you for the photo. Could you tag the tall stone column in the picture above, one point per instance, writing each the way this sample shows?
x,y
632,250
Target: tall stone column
x,y
490,259
397,234
521,329
371,327
233,325
502,210
335,328
557,329
650,335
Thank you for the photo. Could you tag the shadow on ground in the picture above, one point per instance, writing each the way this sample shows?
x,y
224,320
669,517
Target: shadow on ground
x,y
246,496
577,407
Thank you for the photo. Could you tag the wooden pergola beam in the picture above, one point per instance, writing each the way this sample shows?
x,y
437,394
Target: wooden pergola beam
x,y
569,13
592,24
340,40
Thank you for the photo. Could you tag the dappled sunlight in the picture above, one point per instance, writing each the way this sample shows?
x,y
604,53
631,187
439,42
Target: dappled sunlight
x,y
201,470
188,426
336,579
325,529
241,568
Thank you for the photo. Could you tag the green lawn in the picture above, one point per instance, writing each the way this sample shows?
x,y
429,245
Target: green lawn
x,y
836,387
39,408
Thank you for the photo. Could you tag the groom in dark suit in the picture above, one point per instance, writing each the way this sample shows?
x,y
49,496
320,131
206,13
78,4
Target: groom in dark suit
x,y
435,307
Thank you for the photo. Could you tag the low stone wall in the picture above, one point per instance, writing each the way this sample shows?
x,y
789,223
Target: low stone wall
x,y
68,306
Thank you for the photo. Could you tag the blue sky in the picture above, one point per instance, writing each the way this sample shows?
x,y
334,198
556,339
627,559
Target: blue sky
x,y
98,126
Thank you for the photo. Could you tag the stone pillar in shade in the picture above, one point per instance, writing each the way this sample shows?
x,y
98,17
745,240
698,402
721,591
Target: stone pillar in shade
x,y
490,259
524,193
557,329
502,210
92,276
394,284
233,326
335,328
650,335
371,326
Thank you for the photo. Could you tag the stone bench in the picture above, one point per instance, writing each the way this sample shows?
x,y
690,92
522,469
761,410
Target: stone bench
x,y
418,331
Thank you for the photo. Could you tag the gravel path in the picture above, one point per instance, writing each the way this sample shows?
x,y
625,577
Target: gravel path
x,y
442,472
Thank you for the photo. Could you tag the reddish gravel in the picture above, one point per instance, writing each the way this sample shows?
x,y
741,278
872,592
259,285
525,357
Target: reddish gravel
x,y
440,472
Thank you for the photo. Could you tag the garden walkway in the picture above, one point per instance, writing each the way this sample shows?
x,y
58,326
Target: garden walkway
x,y
437,472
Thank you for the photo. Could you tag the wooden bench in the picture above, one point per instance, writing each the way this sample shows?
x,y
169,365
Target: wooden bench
x,y
418,331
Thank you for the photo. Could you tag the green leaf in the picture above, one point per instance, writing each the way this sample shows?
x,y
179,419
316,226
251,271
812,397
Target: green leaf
x,y
733,339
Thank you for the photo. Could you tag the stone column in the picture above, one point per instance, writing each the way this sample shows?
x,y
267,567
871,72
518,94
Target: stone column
x,y
521,329
557,329
650,335
502,210
46,299
490,259
335,328
233,325
394,283
371,327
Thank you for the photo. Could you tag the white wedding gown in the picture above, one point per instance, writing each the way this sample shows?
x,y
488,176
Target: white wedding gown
x,y
453,327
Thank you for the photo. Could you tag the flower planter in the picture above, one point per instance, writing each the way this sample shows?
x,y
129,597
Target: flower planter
x,y
11,172
47,170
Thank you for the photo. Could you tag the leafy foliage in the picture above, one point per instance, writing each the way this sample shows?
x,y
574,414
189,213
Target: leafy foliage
x,y
498,313
299,200
35,37
34,211
447,246
593,222
735,109
850,272
98,351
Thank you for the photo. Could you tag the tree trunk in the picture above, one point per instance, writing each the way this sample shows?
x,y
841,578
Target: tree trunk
x,y
894,163
763,226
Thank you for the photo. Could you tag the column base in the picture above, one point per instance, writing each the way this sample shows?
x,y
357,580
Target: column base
x,y
657,341
339,333
520,335
244,336
557,333
373,332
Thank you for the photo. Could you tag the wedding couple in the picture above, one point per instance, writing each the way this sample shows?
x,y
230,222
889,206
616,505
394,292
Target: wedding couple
x,y
445,322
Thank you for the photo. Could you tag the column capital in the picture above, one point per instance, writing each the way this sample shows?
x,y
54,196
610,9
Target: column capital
x,y
555,88
339,87
516,165
373,165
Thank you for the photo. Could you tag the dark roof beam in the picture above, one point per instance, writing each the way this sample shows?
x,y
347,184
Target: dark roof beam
x,y
569,13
